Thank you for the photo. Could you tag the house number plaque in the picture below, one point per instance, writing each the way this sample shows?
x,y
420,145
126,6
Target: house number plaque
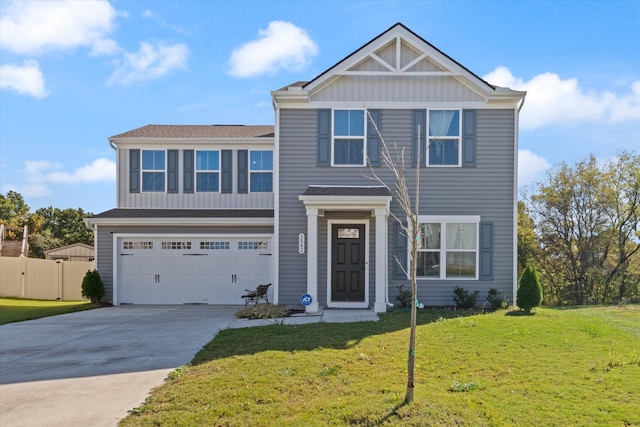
x,y
301,243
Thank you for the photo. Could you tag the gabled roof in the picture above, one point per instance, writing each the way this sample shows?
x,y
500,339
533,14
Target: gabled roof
x,y
397,54
198,131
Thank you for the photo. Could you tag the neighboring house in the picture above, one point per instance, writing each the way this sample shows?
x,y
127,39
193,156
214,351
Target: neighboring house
x,y
75,252
206,211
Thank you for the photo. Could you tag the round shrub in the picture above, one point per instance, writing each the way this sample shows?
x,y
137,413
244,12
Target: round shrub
x,y
529,292
92,286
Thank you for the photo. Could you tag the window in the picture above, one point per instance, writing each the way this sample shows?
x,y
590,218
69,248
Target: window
x,y
261,171
349,138
137,245
253,245
444,138
207,171
176,245
212,246
153,170
451,242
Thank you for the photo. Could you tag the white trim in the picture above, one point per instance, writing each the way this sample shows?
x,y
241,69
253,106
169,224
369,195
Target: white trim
x,y
196,171
164,171
444,220
181,221
515,206
445,138
271,171
364,138
340,304
275,265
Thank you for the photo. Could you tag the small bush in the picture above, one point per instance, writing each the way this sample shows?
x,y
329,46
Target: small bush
x,y
458,387
464,299
529,293
92,286
403,297
496,300
261,311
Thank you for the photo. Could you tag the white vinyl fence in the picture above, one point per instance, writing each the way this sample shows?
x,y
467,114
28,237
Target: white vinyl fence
x,y
42,279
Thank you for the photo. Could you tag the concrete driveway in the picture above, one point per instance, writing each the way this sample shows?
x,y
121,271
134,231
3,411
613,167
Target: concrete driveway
x,y
89,368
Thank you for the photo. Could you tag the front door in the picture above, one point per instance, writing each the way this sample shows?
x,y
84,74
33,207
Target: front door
x,y
347,263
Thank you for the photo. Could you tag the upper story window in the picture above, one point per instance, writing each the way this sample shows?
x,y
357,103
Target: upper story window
x,y
261,171
208,171
451,243
349,138
444,138
153,170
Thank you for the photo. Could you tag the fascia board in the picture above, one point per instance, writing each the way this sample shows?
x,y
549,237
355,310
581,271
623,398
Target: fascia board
x,y
345,202
179,221
125,142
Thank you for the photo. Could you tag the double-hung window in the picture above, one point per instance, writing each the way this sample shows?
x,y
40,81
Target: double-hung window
x,y
448,247
153,170
349,138
261,171
443,144
207,171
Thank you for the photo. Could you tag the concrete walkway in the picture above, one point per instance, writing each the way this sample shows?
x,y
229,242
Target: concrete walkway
x,y
89,368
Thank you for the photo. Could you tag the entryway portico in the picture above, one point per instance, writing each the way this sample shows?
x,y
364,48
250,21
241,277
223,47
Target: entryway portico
x,y
348,213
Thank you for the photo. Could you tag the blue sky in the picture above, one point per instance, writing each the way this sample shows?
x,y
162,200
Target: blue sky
x,y
74,73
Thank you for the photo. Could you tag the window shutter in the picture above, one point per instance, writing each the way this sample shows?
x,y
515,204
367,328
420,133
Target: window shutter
x,y
243,171
418,148
134,171
172,171
468,138
187,182
373,139
486,250
226,170
400,251
324,138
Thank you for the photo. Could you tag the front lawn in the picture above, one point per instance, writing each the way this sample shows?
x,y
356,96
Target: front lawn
x,y
16,310
557,367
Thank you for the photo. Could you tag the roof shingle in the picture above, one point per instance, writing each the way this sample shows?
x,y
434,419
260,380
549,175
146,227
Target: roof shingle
x,y
199,131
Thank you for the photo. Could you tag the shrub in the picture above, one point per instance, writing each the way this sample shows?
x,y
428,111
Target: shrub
x,y
496,300
403,297
261,311
92,286
464,299
529,293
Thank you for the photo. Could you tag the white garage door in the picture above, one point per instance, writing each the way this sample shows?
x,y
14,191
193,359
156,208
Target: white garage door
x,y
178,270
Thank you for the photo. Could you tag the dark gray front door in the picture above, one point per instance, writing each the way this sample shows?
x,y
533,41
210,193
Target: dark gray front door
x,y
347,262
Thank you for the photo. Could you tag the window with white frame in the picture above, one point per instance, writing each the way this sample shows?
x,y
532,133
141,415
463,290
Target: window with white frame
x,y
153,170
261,171
443,145
207,171
448,247
349,148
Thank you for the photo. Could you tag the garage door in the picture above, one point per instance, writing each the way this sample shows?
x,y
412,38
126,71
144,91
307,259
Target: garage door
x,y
204,270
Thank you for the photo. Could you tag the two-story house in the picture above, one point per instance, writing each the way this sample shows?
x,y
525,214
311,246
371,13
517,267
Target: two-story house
x,y
206,211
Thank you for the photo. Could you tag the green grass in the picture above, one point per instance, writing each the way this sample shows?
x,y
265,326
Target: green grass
x,y
556,367
17,310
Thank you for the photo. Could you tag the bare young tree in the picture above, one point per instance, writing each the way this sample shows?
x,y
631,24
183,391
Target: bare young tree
x,y
409,207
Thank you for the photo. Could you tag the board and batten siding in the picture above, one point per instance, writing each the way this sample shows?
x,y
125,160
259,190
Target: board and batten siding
x,y
485,190
104,250
182,200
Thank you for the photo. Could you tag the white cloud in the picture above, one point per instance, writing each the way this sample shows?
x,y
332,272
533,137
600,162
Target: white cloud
x,y
34,27
281,46
552,100
25,79
531,167
37,176
150,62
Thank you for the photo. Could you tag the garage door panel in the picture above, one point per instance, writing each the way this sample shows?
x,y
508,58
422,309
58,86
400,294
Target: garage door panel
x,y
209,269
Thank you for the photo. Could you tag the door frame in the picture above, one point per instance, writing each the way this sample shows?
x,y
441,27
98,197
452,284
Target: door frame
x,y
350,304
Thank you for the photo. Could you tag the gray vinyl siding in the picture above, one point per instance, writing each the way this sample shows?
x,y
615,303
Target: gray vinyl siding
x,y
485,190
104,250
181,200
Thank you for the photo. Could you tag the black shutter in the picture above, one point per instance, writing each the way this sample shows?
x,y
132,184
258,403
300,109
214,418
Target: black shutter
x,y
418,148
134,171
486,251
172,171
400,251
226,169
187,181
374,141
243,171
468,138
324,138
